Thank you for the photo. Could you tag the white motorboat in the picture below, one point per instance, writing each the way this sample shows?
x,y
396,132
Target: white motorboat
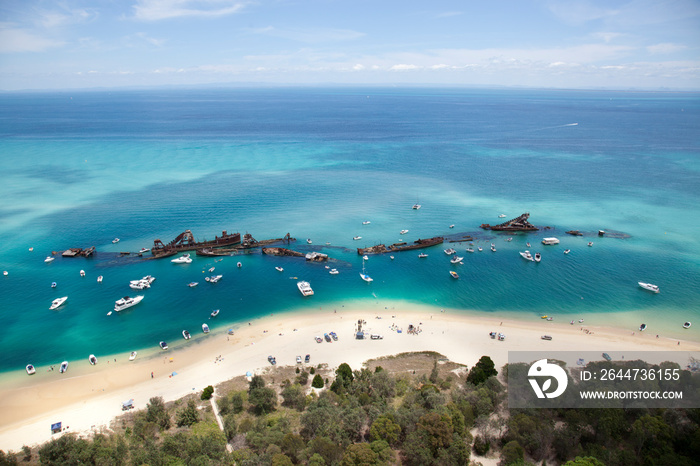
x,y
215,312
64,367
149,279
57,303
214,278
30,369
92,359
54,284
49,259
211,270
126,302
132,356
590,243
183,259
366,222
422,255
305,288
480,249
493,248
649,286
550,241
391,257
528,245
115,240
82,273
99,279
453,274
279,269
334,272
416,206
142,250
455,259
308,240
205,328
538,257
449,251
567,251
139,285
502,216
186,335
526,255
470,249
356,237
239,265
452,226
193,284
687,325
403,232
163,345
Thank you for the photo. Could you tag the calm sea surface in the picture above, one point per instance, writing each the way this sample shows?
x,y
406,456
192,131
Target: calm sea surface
x,y
81,168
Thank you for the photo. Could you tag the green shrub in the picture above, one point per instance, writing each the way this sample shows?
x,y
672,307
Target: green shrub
x,y
207,393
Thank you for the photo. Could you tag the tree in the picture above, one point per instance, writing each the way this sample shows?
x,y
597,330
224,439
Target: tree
x,y
256,382
317,382
434,373
385,428
511,453
207,393
263,400
345,372
294,397
280,459
188,415
481,371
359,454
584,461
157,414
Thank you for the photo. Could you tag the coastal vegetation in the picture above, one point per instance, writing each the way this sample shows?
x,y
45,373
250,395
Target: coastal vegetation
x,y
412,409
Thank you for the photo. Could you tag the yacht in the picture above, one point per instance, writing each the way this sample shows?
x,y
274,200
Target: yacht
x,y
356,237
64,367
649,286
305,288
403,232
550,241
449,251
279,269
142,250
192,284
49,259
163,345
126,302
215,312
456,259
186,335
57,303
30,369
454,274
526,255
132,356
183,259
115,240
334,272
92,359
139,285
538,257
205,328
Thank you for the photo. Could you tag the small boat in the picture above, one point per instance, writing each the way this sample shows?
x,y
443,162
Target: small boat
x,y
214,278
305,288
139,285
279,269
416,206
363,275
403,232
186,335
49,259
215,312
422,255
357,237
509,239
493,248
126,302
470,249
57,303
391,257
205,328
183,259
687,325
5,273
334,272
212,269
567,251
30,369
550,241
449,251
99,279
528,245
452,226
649,286
454,274
550,319
115,240
365,258
92,359
132,356
538,257
239,265
31,249
308,240
193,284
590,243
480,249
142,250
527,256
82,273
456,259
163,345
366,222
544,316
64,367
53,284
642,327
502,216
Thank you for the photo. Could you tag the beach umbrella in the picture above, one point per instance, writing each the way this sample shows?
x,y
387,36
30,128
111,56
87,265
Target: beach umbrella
x,y
248,374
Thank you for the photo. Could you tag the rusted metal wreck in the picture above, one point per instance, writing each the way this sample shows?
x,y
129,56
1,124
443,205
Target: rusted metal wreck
x,y
397,247
185,242
517,224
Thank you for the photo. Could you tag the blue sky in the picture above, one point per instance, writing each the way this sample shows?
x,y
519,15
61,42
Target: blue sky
x,y
62,44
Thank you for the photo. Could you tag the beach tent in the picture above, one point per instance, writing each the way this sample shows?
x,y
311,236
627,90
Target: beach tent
x,y
248,374
55,428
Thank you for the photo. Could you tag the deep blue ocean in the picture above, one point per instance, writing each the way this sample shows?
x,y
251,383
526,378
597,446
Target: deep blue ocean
x,y
81,168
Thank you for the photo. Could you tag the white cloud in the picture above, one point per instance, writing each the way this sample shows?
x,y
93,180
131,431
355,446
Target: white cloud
x,y
358,67
19,40
310,35
665,48
155,10
404,67
65,17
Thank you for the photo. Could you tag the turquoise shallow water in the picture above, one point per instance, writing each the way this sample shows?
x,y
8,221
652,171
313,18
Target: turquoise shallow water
x,y
79,169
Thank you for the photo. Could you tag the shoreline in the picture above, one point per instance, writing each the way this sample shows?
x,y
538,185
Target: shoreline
x,y
88,398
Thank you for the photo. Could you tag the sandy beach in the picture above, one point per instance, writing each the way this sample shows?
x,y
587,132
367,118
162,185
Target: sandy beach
x,y
87,398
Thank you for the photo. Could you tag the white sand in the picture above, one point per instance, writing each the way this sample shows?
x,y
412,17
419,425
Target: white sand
x,y
87,398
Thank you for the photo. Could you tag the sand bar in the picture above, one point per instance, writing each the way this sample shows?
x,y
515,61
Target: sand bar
x,y
87,398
